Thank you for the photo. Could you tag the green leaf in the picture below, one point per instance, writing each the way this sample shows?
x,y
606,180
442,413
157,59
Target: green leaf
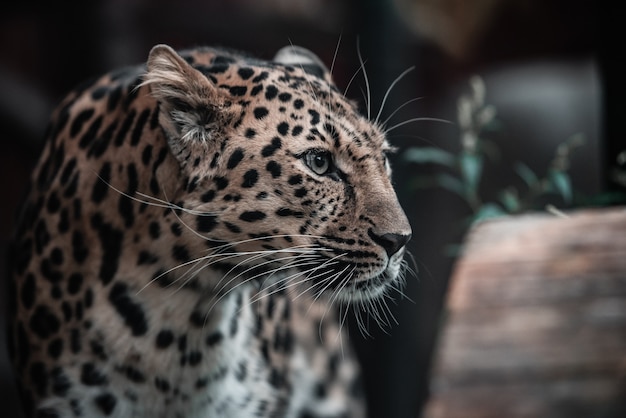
x,y
510,200
529,177
561,182
471,169
451,183
488,211
429,155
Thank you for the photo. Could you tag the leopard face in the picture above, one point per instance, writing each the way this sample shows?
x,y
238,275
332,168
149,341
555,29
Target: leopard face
x,y
283,175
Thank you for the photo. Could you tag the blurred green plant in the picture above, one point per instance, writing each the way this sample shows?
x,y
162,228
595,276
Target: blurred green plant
x,y
463,171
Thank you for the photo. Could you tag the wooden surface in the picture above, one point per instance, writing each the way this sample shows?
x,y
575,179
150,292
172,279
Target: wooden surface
x,y
535,323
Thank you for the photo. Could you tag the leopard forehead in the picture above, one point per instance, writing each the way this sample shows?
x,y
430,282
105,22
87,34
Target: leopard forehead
x,y
299,103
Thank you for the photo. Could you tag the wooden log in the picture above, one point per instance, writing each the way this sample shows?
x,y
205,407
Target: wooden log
x,y
535,321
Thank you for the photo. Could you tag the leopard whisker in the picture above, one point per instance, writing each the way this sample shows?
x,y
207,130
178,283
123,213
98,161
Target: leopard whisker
x,y
332,67
408,102
382,105
351,80
333,298
160,203
281,287
332,64
367,83
305,279
326,263
422,119
214,256
177,207
267,237
383,323
297,262
189,227
303,249
342,322
398,288
401,280
249,259
247,280
310,277
342,285
258,265
386,300
384,309
168,205
319,331
242,283
278,283
310,273
372,310
255,256
345,282
292,265
192,272
360,322
186,263
313,287
413,271
329,281
307,80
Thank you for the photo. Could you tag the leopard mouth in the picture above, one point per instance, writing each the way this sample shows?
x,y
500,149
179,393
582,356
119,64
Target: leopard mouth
x,y
367,289
329,277
346,285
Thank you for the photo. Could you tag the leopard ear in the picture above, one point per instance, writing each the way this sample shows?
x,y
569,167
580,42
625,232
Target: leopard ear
x,y
300,57
190,103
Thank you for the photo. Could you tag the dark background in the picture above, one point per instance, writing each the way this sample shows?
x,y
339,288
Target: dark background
x,y
551,68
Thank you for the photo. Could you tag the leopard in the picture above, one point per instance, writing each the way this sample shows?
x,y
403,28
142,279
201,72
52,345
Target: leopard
x,y
193,235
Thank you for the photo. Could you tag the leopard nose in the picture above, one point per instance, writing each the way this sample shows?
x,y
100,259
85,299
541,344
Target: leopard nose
x,y
392,243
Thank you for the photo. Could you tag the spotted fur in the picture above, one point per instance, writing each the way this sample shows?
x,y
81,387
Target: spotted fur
x,y
191,228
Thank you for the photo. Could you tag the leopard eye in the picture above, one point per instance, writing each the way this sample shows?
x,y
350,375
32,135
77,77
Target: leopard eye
x,y
320,162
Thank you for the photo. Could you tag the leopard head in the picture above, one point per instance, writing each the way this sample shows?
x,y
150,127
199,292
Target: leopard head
x,y
283,181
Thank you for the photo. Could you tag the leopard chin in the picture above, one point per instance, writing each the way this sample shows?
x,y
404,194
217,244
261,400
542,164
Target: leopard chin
x,y
369,289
